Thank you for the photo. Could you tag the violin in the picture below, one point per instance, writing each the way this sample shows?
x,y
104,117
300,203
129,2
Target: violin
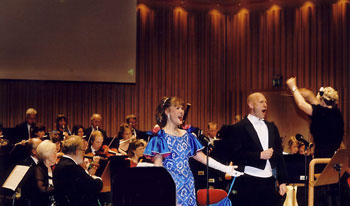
x,y
91,163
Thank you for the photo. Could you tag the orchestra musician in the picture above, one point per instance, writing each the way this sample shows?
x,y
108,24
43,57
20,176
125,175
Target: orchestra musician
x,y
39,131
78,130
95,145
62,126
47,155
73,185
96,123
293,145
23,131
135,151
3,142
131,120
125,138
28,187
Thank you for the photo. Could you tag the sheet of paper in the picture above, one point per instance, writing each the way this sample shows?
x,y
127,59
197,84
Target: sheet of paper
x,y
15,177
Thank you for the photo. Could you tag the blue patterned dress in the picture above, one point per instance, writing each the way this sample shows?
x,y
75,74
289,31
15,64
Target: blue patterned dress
x,y
176,152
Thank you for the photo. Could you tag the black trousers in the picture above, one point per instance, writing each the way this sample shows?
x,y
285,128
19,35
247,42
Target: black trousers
x,y
253,191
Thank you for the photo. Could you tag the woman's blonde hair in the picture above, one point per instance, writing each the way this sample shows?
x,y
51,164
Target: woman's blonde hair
x,y
329,95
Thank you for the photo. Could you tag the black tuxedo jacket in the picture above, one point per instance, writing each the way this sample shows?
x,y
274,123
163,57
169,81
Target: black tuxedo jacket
x,y
245,148
21,132
141,135
28,185
73,186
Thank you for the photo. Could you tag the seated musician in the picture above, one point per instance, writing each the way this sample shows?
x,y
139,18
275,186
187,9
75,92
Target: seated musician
x,y
62,126
95,144
28,187
78,130
135,151
43,174
39,131
96,123
293,144
56,139
125,138
3,142
73,185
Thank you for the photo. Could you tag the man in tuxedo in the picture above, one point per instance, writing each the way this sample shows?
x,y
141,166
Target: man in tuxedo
x,y
95,144
73,185
29,185
255,145
132,121
24,130
96,122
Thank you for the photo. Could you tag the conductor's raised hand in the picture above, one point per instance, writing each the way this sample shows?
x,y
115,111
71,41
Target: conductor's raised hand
x,y
291,82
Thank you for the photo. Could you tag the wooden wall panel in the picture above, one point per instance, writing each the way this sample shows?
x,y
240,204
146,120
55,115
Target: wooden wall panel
x,y
210,58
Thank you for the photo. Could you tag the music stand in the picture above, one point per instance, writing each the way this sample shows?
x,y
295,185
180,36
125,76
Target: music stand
x,y
106,179
143,186
329,174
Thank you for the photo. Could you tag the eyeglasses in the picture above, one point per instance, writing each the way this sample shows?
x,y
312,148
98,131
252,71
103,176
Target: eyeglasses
x,y
82,150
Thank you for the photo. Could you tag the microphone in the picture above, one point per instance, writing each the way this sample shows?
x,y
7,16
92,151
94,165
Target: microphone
x,y
206,140
97,128
300,138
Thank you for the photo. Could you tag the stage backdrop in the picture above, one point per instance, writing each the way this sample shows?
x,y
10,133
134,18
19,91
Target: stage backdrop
x,y
212,57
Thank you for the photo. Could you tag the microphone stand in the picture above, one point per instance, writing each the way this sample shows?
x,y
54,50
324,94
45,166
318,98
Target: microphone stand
x,y
207,168
305,174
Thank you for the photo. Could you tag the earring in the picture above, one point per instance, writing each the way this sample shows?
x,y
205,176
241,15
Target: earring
x,y
168,116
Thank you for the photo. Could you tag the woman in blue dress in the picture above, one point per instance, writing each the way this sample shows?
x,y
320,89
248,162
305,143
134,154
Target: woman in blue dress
x,y
172,148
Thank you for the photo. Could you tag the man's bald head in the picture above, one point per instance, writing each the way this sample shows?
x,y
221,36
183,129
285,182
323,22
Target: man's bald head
x,y
257,105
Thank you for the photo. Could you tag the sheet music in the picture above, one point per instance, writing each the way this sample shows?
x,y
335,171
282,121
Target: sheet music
x,y
15,177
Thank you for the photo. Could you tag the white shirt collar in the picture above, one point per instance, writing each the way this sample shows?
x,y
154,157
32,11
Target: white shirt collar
x,y
34,159
253,119
93,150
66,156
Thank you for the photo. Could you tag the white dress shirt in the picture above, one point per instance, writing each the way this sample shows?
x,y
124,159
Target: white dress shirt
x,y
263,134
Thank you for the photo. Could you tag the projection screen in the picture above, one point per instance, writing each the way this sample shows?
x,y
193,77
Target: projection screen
x,y
68,40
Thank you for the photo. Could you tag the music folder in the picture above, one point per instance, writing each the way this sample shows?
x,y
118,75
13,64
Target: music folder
x,y
15,177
